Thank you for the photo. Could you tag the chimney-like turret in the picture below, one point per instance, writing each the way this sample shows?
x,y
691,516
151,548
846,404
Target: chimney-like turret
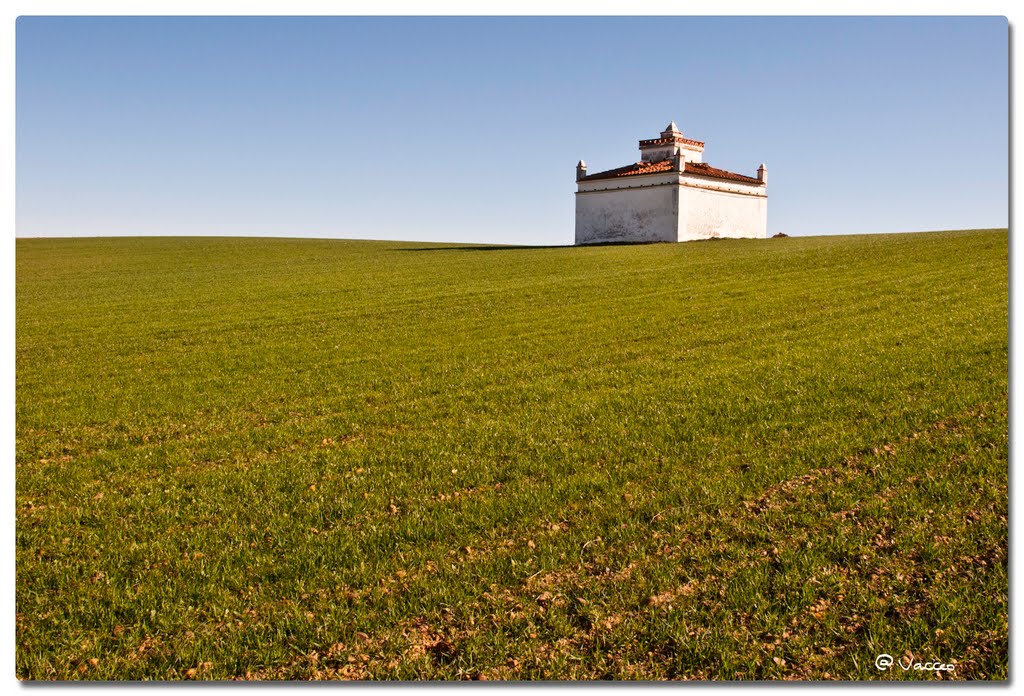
x,y
670,143
581,170
762,173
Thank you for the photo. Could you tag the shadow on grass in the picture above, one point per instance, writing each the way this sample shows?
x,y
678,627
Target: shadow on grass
x,y
484,247
523,247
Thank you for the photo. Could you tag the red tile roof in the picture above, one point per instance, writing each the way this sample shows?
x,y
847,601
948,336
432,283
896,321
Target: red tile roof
x,y
707,170
675,139
665,165
633,170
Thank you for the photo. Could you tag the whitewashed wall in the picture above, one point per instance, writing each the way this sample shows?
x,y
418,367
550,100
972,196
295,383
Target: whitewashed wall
x,y
691,153
668,208
640,214
705,213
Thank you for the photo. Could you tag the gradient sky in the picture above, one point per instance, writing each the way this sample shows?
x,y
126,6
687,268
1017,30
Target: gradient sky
x,y
469,129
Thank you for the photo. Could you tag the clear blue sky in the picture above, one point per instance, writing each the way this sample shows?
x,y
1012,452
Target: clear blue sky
x,y
469,129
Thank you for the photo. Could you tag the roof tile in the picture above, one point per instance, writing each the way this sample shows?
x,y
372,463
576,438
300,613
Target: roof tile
x,y
707,170
665,165
633,170
665,140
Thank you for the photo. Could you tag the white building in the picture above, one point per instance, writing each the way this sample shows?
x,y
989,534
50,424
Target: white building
x,y
670,195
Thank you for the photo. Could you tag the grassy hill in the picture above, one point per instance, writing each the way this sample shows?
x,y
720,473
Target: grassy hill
x,y
336,459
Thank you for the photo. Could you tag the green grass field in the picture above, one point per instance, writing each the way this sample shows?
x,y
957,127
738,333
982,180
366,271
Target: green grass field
x,y
279,459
